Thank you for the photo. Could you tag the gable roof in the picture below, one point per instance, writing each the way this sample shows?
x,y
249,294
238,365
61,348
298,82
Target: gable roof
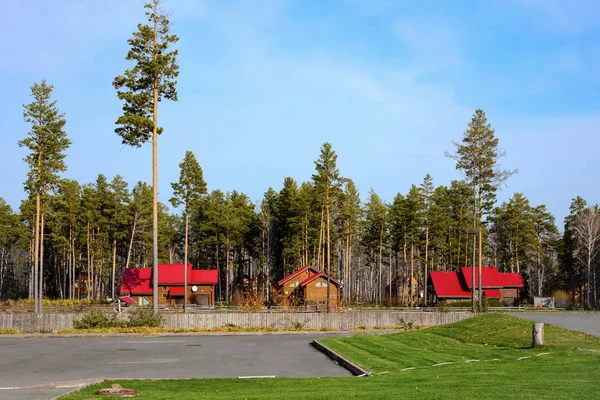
x,y
296,273
449,284
492,293
316,276
172,274
138,281
491,278
513,279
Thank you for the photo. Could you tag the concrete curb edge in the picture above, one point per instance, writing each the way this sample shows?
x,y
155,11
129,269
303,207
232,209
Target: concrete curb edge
x,y
354,369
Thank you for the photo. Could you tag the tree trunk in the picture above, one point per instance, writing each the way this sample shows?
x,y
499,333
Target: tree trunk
x,y
185,262
380,262
227,269
114,271
155,178
36,256
2,256
328,252
480,229
131,241
41,281
89,265
412,274
426,259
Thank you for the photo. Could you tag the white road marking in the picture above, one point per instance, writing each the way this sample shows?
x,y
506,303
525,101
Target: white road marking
x,y
256,376
156,341
149,361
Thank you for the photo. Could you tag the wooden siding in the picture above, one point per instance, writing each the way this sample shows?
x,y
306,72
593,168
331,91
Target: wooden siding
x,y
318,294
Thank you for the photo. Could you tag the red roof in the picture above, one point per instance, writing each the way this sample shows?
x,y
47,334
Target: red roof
x,y
512,279
138,281
176,291
127,299
296,273
449,284
172,274
492,278
492,293
319,275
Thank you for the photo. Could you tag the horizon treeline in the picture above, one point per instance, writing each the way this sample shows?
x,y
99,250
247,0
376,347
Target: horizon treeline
x,y
95,230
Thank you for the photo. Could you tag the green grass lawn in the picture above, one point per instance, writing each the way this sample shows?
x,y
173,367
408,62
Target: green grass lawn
x,y
496,340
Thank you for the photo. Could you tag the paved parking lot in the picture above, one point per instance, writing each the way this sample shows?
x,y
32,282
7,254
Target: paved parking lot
x,y
35,361
587,322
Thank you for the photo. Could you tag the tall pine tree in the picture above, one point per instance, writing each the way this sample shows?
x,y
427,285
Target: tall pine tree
x,y
47,142
152,79
188,192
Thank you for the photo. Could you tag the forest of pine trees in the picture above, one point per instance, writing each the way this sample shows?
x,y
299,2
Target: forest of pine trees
x,y
66,230
95,230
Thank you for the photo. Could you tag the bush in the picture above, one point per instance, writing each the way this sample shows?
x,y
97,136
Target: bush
x,y
144,318
96,319
442,306
562,299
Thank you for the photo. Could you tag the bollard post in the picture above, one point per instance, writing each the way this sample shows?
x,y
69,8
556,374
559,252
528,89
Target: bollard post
x,y
538,334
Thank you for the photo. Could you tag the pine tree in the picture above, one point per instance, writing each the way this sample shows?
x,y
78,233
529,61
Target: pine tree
x,y
118,222
328,182
413,217
12,236
47,142
374,238
188,192
478,157
426,196
70,194
152,79
572,277
350,214
546,247
287,212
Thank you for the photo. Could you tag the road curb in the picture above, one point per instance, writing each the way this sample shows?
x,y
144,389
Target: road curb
x,y
354,369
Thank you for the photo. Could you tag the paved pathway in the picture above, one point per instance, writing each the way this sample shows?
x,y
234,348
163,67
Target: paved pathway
x,y
34,361
587,322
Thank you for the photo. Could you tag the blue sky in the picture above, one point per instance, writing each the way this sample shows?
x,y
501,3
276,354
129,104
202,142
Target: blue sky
x,y
264,83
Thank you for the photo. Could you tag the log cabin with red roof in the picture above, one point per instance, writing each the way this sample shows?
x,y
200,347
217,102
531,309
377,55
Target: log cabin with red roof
x,y
457,285
308,286
137,283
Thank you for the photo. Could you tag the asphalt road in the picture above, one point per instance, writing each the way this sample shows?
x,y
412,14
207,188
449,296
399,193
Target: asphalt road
x,y
586,322
25,362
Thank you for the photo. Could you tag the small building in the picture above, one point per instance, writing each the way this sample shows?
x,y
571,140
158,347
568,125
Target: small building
x,y
137,283
308,286
261,286
401,292
457,285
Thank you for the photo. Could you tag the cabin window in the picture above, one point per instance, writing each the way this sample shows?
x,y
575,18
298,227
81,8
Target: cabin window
x,y
321,284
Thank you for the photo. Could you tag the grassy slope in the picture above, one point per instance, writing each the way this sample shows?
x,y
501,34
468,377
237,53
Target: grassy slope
x,y
565,373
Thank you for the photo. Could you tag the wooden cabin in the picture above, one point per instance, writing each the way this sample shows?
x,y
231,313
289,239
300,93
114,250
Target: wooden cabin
x,y
137,283
457,285
308,286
